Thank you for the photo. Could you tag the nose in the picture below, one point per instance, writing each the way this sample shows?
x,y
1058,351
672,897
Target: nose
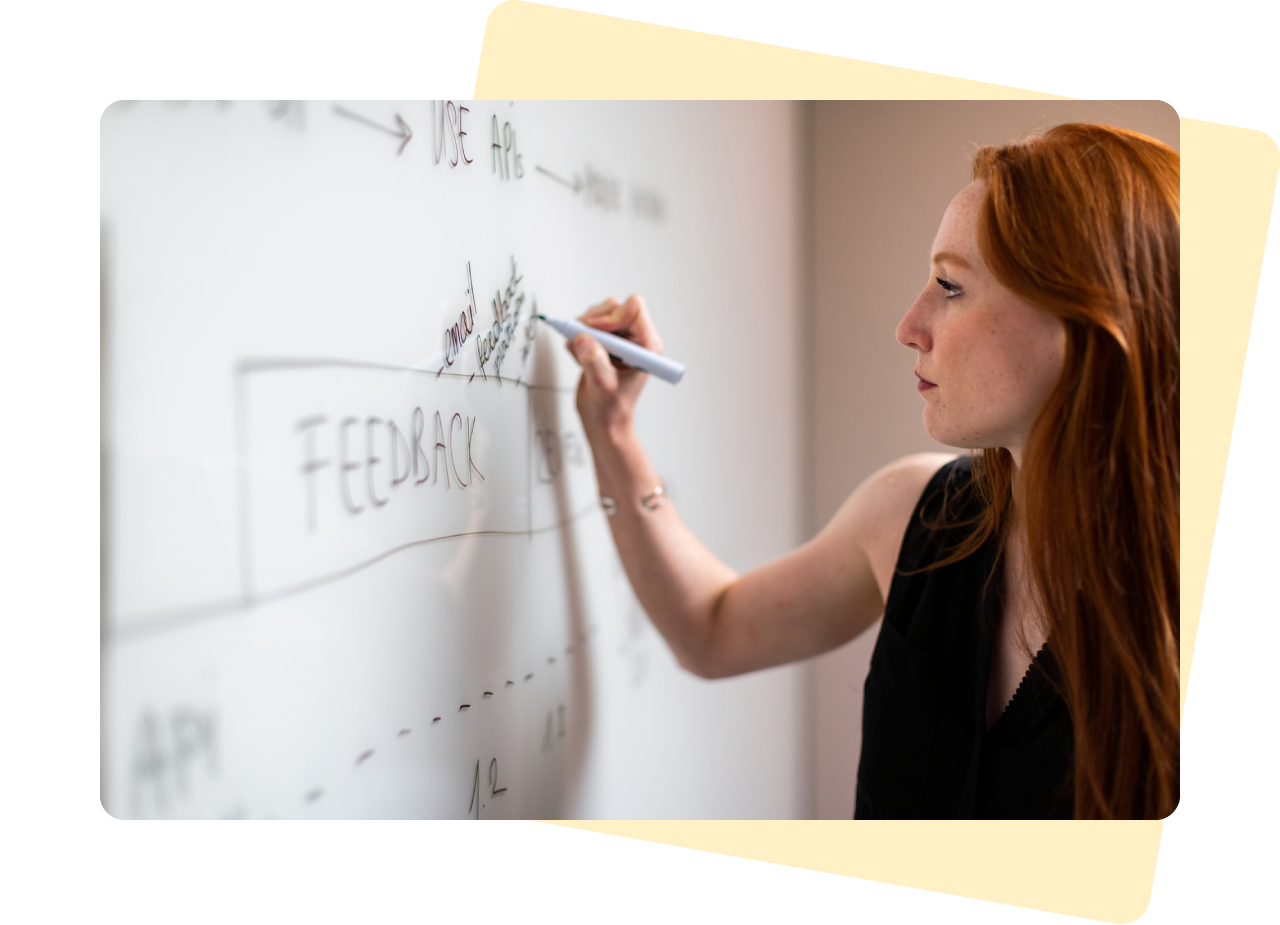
x,y
912,331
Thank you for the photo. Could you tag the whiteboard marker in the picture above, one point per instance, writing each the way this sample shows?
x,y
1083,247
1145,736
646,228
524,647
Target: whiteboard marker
x,y
627,351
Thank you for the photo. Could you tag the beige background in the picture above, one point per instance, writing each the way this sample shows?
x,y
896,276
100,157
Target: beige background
x,y
1097,870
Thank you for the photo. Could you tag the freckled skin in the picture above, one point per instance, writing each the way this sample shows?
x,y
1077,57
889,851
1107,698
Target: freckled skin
x,y
994,357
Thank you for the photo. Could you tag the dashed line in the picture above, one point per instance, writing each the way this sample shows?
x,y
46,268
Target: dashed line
x,y
318,792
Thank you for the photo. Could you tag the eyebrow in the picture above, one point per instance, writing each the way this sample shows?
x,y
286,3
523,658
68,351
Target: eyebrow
x,y
949,257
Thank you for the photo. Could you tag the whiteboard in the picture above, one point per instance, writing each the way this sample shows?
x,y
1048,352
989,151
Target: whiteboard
x,y
354,563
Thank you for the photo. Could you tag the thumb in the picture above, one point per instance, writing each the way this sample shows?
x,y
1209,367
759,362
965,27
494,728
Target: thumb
x,y
594,360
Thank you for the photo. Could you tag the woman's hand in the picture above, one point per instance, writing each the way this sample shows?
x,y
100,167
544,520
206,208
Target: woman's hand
x,y
608,389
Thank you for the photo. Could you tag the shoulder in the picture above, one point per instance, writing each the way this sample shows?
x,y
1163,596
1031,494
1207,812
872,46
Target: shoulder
x,y
905,478
889,495
880,508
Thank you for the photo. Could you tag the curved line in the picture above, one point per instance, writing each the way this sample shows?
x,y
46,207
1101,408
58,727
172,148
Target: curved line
x,y
177,619
248,365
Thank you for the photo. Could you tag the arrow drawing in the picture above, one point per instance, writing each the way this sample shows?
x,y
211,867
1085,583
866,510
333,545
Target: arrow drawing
x,y
403,132
576,185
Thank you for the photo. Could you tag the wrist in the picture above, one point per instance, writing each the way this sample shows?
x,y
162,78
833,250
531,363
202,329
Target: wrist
x,y
623,471
650,501
612,430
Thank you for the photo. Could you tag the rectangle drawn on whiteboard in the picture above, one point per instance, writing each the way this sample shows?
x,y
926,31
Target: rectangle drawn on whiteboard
x,y
344,463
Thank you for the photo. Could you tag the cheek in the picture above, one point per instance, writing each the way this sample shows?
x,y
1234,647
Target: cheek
x,y
997,382
1041,357
971,370
977,361
1025,373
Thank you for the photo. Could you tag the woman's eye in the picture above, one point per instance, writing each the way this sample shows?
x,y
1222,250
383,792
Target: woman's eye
x,y
952,289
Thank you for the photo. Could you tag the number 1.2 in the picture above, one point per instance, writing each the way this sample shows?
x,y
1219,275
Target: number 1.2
x,y
494,789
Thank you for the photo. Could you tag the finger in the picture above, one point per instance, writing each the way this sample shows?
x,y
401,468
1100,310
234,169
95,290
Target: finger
x,y
569,346
635,323
594,360
628,319
609,315
599,312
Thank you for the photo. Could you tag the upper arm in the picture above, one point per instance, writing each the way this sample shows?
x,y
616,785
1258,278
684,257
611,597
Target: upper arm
x,y
880,508
831,588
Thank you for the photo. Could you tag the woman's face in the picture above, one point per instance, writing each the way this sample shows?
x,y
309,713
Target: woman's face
x,y
986,359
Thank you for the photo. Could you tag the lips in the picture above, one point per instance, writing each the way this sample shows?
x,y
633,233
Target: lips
x,y
925,383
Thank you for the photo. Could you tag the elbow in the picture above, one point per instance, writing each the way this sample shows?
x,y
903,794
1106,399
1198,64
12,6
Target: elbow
x,y
710,669
699,664
703,655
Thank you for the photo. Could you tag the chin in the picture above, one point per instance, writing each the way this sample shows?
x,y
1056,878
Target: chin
x,y
960,438
954,436
938,431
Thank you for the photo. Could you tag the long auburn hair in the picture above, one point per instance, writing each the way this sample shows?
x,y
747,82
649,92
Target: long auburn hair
x,y
1083,222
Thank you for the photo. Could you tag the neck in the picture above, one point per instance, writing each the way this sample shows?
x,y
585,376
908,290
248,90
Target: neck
x,y
1029,627
1017,488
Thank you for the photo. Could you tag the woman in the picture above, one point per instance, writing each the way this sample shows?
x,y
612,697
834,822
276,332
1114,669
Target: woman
x,y
1027,665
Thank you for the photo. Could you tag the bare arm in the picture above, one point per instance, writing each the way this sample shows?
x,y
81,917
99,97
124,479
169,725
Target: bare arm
x,y
716,622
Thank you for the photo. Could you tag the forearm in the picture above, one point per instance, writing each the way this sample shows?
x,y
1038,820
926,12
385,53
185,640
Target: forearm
x,y
677,580
680,584
717,624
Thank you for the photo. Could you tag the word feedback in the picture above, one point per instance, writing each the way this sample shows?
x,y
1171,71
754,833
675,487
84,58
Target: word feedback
x,y
370,458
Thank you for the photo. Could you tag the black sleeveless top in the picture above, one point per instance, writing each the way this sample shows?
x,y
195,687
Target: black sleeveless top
x,y
926,753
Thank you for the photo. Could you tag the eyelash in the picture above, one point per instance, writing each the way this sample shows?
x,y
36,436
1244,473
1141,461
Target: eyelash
x,y
952,289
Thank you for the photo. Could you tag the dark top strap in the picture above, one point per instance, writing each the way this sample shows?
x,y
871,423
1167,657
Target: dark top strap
x,y
926,753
